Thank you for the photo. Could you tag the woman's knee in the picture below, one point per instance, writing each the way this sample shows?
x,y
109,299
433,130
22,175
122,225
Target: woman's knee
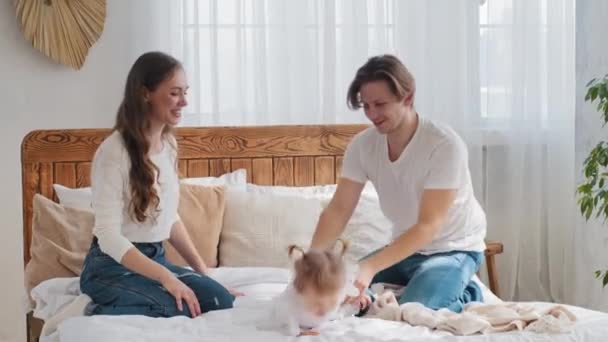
x,y
211,294
215,298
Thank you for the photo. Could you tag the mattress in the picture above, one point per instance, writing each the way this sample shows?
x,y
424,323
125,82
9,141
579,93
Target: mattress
x,y
260,285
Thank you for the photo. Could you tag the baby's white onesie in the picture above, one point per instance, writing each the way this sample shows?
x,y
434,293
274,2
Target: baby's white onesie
x,y
289,316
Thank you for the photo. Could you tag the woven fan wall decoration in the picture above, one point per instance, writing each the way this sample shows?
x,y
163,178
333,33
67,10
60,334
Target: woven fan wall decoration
x,y
64,30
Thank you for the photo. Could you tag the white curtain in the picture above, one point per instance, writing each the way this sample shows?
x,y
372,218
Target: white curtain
x,y
500,72
290,61
527,87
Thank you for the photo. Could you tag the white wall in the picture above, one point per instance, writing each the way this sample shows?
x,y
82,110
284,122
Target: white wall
x,y
591,61
36,93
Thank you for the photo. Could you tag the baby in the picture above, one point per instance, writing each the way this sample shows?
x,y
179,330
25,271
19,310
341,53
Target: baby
x,y
316,294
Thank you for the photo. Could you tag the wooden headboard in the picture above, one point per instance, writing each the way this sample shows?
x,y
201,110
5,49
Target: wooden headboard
x,y
272,155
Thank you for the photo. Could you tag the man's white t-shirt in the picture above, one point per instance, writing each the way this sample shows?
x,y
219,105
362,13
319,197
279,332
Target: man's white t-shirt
x,y
435,158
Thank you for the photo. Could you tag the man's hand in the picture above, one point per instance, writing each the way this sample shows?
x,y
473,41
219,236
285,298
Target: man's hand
x,y
364,277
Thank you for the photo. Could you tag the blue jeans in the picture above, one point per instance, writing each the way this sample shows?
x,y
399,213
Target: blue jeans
x,y
116,290
441,280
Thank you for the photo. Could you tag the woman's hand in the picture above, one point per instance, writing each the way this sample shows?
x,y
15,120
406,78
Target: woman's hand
x,y
181,291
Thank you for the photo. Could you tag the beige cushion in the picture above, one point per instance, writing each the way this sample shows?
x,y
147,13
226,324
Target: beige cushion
x,y
201,209
61,238
258,228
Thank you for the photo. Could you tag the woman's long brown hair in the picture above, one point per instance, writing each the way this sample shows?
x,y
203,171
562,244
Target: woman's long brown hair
x,y
132,122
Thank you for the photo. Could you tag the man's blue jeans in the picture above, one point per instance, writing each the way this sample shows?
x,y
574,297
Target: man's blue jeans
x,y
115,290
441,280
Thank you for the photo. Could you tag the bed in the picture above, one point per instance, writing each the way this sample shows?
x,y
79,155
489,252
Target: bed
x,y
298,157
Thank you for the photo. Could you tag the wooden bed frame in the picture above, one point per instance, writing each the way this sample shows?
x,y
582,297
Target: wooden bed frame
x,y
272,155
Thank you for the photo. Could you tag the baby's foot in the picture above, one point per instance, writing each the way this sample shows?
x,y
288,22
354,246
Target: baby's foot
x,y
308,333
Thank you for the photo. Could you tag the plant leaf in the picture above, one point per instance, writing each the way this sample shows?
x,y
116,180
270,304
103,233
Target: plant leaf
x,y
584,189
598,273
591,82
602,91
605,280
594,92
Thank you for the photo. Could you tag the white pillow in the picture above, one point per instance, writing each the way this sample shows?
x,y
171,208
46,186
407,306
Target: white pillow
x,y
367,230
236,180
316,191
81,197
258,228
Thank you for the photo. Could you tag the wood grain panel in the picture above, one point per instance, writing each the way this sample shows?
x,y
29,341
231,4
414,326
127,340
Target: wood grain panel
x,y
339,161
324,170
65,174
201,142
218,167
46,180
304,171
198,168
182,167
283,171
243,163
262,171
260,141
31,186
62,145
83,174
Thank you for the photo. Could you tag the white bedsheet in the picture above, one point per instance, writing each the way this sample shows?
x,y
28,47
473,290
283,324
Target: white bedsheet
x,y
238,324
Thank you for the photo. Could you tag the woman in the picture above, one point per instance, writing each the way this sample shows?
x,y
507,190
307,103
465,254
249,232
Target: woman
x,y
420,171
135,196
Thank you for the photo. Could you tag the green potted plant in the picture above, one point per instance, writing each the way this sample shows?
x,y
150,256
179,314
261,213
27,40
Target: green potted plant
x,y
593,193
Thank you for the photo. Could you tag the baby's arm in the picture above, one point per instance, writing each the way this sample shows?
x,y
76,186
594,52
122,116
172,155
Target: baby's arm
x,y
308,333
292,326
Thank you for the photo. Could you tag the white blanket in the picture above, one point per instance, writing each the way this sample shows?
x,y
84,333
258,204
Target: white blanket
x,y
260,285
477,318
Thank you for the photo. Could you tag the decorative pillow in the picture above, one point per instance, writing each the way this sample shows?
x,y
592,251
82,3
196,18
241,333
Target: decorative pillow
x,y
367,230
259,227
81,197
201,209
61,235
61,238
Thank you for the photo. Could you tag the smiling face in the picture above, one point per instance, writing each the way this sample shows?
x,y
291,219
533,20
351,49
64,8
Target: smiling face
x,y
383,108
385,89
168,99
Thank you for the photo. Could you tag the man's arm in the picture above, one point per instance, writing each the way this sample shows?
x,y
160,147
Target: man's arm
x,y
434,208
335,216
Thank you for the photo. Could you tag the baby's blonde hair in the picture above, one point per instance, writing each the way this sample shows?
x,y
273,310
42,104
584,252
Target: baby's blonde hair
x,y
324,271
